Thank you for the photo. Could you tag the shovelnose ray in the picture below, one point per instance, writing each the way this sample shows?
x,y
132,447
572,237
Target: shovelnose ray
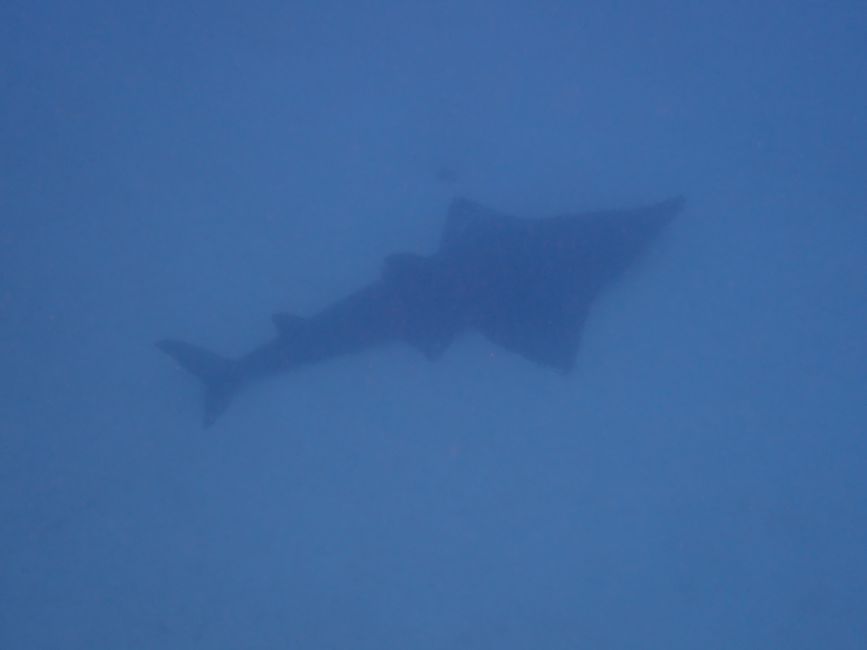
x,y
525,284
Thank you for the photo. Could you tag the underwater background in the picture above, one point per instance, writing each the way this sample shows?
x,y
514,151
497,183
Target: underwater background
x,y
187,169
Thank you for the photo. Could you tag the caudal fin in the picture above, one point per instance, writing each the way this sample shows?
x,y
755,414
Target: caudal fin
x,y
217,373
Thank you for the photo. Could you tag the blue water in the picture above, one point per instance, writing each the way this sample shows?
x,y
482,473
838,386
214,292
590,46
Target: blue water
x,y
186,169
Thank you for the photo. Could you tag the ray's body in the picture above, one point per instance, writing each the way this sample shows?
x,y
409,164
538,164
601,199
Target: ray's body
x,y
526,284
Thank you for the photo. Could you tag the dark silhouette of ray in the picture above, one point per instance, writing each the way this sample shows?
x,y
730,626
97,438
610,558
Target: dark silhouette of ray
x,y
526,284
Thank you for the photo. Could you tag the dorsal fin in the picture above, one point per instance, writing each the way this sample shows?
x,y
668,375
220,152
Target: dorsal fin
x,y
468,221
287,324
400,267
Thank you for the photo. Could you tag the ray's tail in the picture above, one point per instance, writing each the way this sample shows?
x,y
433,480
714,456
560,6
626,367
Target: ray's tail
x,y
218,374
